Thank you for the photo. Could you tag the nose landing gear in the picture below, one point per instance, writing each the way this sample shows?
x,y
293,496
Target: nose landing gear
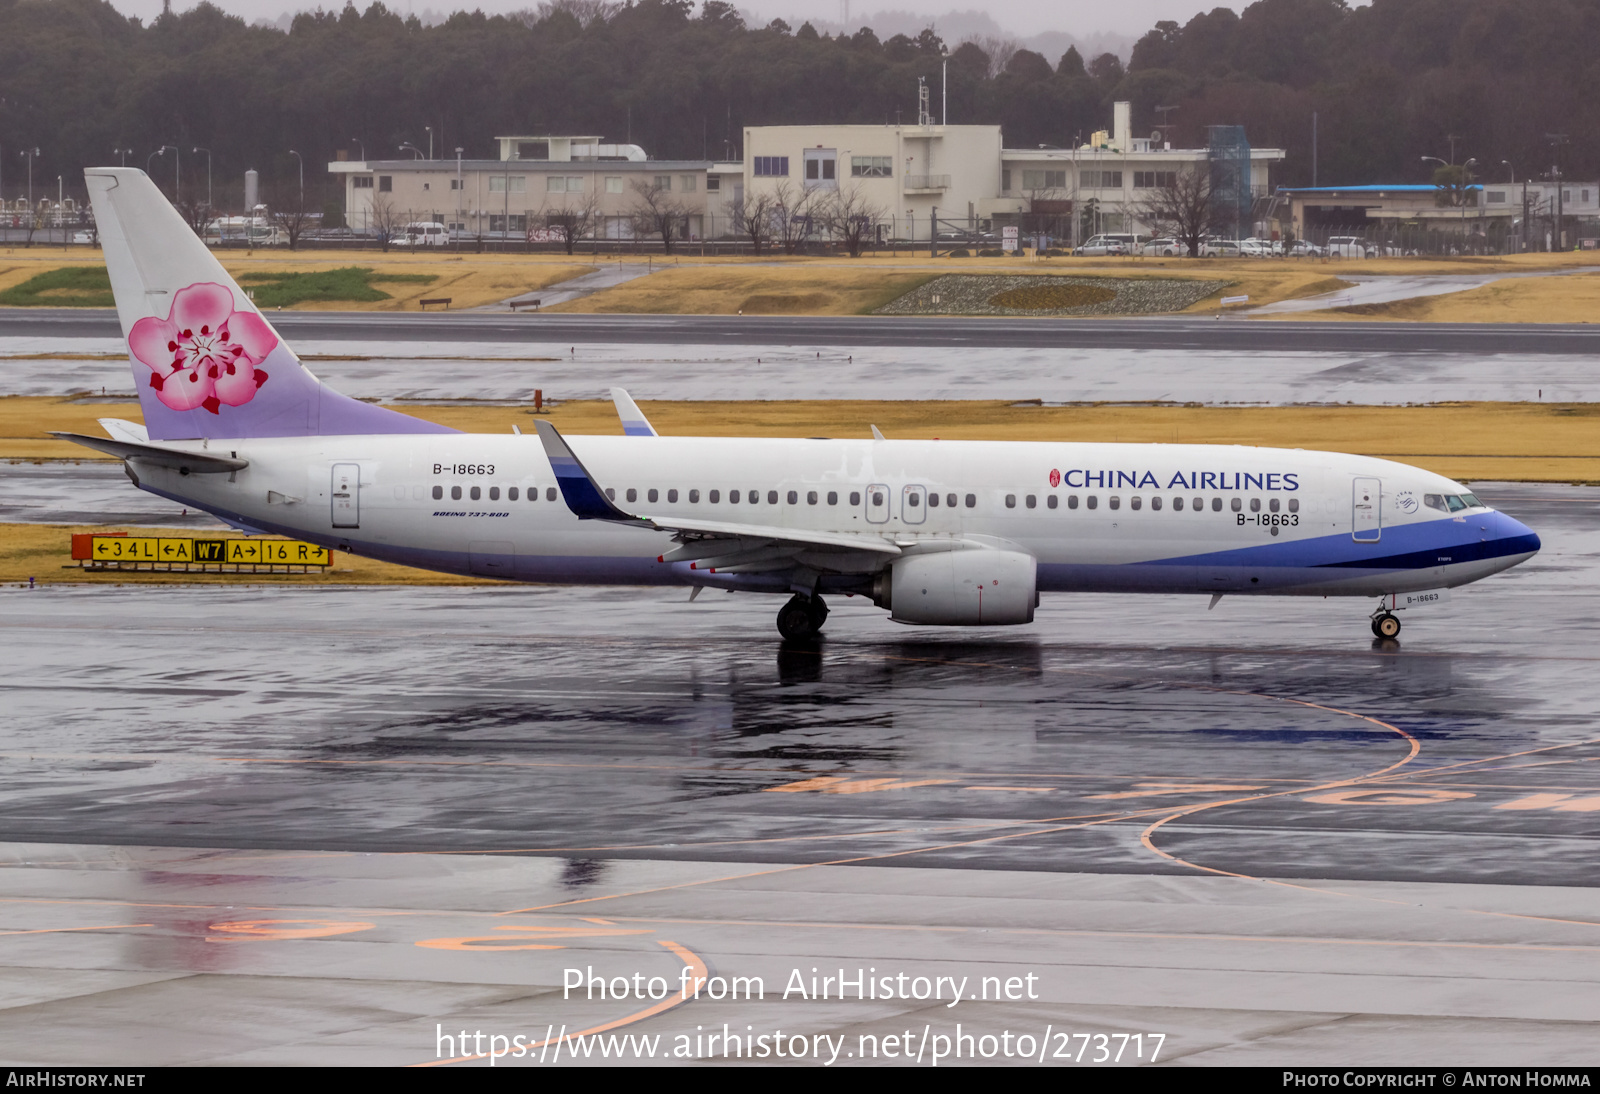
x,y
802,617
1385,625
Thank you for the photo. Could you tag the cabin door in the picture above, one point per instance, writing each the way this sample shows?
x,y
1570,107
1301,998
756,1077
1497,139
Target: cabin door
x,y
346,495
1367,525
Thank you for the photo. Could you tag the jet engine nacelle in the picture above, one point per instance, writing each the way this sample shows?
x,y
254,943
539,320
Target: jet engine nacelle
x,y
965,588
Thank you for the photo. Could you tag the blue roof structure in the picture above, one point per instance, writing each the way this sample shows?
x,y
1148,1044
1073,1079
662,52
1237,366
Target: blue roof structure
x,y
1374,188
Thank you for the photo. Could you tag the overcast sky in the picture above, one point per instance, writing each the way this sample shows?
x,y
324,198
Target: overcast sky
x,y
1020,17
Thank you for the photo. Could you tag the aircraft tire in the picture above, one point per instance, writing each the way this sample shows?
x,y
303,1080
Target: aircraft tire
x,y
1386,626
795,620
819,612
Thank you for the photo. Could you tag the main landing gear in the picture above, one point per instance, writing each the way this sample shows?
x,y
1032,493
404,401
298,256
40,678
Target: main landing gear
x,y
1385,625
802,617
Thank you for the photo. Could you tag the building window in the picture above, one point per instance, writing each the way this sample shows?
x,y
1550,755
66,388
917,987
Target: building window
x,y
713,183
1154,180
772,166
687,183
1005,180
497,222
1044,180
663,182
613,184
1100,180
500,184
385,184
458,184
821,168
361,182
533,150
871,167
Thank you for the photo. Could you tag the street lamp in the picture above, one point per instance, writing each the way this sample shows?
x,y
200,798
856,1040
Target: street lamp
x,y
177,172
122,154
429,128
301,160
362,147
417,152
207,151
151,156
30,153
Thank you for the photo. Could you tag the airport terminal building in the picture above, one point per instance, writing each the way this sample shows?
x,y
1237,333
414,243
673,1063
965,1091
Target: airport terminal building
x,y
912,181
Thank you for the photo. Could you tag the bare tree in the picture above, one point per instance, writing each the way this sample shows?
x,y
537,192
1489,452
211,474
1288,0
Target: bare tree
x,y
1185,208
573,219
753,217
387,222
586,12
289,213
850,218
793,210
196,214
999,51
656,212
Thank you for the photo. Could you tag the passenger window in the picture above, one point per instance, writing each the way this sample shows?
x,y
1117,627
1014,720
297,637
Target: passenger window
x,y
1235,503
1255,505
672,496
713,496
513,494
652,495
1114,501
1155,504
549,493
1031,501
733,497
1216,505
933,501
972,501
833,497
477,492
1094,501
811,497
611,494
1456,504
455,493
1177,505
877,497
438,492
633,495
1273,505
950,500
772,498
755,497
694,497
1133,502
1072,501
1294,505
494,493
855,497
1052,501
794,498
913,500
1011,501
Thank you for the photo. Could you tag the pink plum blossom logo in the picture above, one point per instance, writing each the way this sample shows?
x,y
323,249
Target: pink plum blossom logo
x,y
204,353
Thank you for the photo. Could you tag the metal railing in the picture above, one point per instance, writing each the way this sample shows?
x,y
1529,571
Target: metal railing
x,y
927,182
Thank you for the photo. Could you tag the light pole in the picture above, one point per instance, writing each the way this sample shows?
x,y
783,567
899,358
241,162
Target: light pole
x,y
416,153
301,160
30,153
362,147
177,172
429,128
122,154
458,192
1556,141
207,151
151,156
61,210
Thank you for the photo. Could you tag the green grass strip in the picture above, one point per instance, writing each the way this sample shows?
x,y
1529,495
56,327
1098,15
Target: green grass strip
x,y
68,287
346,284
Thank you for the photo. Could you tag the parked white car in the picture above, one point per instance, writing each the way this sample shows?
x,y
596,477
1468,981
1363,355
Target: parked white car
x,y
1220,248
1348,247
1165,248
1255,248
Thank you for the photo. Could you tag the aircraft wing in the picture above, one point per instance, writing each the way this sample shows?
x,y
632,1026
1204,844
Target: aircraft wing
x,y
724,546
187,462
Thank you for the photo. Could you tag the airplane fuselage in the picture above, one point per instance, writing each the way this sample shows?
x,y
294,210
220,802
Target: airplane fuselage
x,y
1097,517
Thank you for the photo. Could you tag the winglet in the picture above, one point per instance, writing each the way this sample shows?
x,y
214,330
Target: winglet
x,y
634,423
578,488
877,434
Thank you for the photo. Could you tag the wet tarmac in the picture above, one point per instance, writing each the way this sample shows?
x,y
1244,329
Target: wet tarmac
x,y
289,820
444,371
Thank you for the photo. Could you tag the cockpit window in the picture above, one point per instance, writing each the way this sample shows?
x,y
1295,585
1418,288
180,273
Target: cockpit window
x,y
1435,501
1456,504
1472,501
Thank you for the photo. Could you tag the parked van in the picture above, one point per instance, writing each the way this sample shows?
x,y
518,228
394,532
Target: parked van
x,y
254,231
1347,247
423,233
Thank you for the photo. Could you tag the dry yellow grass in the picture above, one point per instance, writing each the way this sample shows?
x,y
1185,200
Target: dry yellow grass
x,y
44,552
1534,442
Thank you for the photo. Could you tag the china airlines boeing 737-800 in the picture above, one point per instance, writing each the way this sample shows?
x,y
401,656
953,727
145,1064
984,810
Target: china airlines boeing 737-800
x,y
955,533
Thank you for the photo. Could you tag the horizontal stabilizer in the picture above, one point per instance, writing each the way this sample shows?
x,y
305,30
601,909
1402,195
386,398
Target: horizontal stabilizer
x,y
189,463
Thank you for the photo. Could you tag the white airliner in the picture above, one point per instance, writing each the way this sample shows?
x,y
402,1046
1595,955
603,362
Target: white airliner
x,y
956,533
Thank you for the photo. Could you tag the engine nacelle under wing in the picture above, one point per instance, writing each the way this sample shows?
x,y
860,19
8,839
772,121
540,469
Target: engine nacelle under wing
x,y
971,588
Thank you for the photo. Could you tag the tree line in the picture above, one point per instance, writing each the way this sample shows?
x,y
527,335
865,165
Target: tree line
x,y
1389,83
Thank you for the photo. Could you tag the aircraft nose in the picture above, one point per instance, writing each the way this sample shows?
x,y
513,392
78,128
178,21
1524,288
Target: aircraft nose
x,y
1513,531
